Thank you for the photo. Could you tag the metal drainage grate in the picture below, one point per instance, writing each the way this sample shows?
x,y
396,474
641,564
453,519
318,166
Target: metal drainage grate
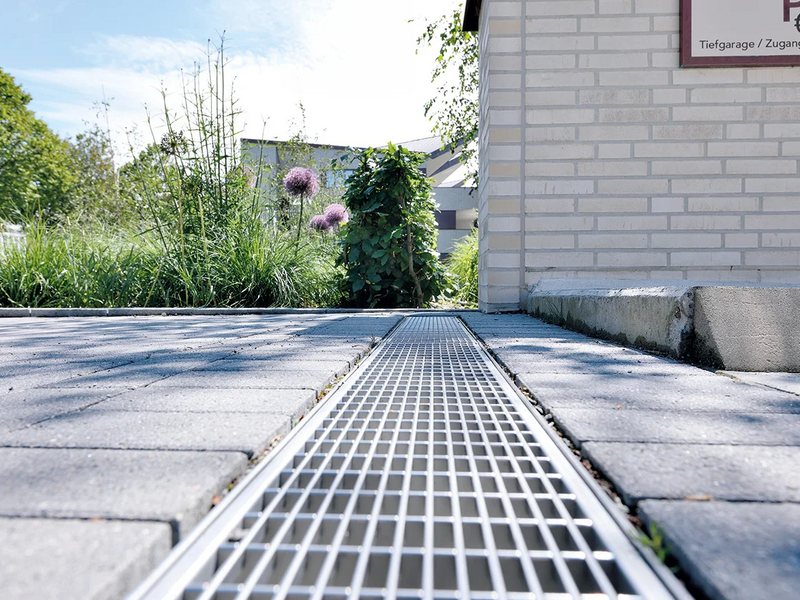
x,y
425,476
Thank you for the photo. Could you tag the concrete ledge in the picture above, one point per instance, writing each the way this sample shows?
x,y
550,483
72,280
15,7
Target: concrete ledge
x,y
742,328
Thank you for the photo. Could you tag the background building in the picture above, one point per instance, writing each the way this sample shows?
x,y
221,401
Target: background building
x,y
456,200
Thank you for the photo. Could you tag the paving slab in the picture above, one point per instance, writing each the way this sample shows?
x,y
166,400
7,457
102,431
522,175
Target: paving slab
x,y
173,487
788,382
249,379
59,559
290,402
678,471
637,390
20,408
669,427
734,551
250,433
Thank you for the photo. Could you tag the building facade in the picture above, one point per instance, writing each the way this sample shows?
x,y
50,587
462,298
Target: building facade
x,y
600,157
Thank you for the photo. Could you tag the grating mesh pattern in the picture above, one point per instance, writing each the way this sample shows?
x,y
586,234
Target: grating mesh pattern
x,y
426,478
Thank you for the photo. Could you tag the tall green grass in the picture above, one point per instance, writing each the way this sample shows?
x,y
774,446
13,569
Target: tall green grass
x,y
250,267
462,265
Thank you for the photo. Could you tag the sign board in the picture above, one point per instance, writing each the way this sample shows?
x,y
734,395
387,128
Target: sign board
x,y
740,33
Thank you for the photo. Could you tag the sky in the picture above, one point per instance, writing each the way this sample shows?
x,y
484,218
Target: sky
x,y
351,63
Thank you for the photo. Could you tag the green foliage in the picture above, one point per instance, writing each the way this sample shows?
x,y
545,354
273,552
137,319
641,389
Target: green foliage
x,y
655,541
389,245
35,165
201,240
71,267
454,109
462,264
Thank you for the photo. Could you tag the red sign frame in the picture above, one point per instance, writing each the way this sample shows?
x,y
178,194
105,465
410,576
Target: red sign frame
x,y
687,60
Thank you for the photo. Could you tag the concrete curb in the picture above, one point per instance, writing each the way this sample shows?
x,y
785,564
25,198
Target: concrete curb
x,y
741,328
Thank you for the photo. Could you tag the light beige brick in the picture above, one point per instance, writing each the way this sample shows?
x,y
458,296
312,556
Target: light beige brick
x,y
559,116
549,169
705,222
670,96
632,223
722,204
741,240
503,224
772,185
687,167
550,61
652,41
761,167
613,132
567,8
599,168
708,113
706,186
719,95
551,134
612,241
668,150
549,242
633,78
614,151
551,26
743,148
766,258
633,115
552,223
633,186
505,135
549,205
559,259
612,205
632,259
613,61
782,204
686,240
559,187
504,169
687,132
606,97
546,79
719,258
504,242
780,240
505,26
561,43
773,113
504,205
559,151
772,222
559,98
667,205
743,131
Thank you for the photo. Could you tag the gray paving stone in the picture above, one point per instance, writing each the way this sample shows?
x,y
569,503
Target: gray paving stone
x,y
315,380
52,559
292,402
677,471
665,427
173,487
734,551
788,382
26,407
703,392
257,365
247,432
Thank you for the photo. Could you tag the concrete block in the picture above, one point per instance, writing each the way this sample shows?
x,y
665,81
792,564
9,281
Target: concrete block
x,y
172,487
733,551
748,328
47,559
248,433
654,318
735,327
671,427
679,471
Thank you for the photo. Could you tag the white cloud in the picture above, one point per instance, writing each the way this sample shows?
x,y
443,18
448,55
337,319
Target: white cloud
x,y
351,63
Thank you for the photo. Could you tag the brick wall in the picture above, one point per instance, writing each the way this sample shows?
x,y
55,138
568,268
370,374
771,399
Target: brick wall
x,y
600,157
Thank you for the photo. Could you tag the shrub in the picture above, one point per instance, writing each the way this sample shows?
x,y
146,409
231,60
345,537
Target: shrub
x,y
389,245
462,264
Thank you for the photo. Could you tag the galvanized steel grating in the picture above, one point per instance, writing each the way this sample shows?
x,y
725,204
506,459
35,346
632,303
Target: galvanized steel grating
x,y
425,476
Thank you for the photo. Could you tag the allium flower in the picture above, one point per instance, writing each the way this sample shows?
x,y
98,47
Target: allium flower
x,y
319,223
301,181
336,214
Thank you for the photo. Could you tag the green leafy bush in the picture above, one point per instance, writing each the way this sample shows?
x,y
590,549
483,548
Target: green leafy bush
x,y
462,264
389,245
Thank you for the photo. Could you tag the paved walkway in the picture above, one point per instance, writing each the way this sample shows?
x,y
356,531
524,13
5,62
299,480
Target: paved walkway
x,y
117,433
715,462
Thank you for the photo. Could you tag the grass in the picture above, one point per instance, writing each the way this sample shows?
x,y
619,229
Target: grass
x,y
462,265
248,266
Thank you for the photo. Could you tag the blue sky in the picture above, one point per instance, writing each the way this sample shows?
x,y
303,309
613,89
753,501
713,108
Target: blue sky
x,y
351,63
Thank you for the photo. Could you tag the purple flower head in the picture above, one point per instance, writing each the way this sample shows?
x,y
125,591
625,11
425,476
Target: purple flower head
x,y
301,181
319,223
336,214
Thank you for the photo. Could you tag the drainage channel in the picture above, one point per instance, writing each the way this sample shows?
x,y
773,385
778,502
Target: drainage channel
x,y
425,475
